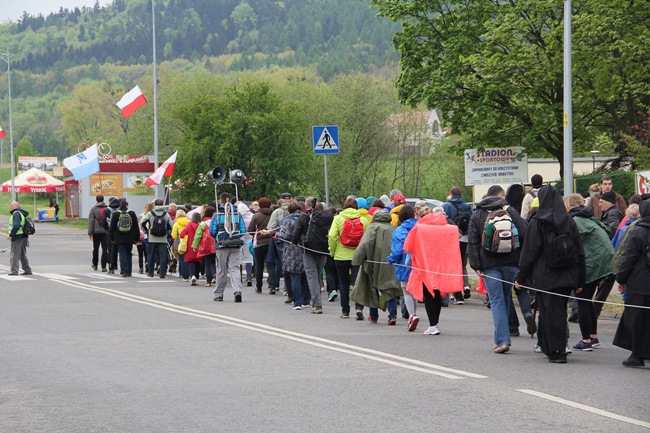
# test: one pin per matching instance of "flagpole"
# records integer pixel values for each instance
(167, 190)
(155, 94)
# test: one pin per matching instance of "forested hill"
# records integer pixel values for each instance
(337, 35)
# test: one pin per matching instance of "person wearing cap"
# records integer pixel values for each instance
(606, 186)
(610, 215)
(363, 209)
(391, 197)
(398, 201)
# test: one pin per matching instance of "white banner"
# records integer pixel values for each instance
(499, 165)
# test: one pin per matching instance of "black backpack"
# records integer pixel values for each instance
(158, 224)
(317, 230)
(28, 227)
(462, 218)
(559, 250)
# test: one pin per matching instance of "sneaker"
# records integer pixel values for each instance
(458, 301)
(249, 283)
(237, 296)
(467, 292)
(333, 296)
(405, 314)
(413, 322)
(359, 314)
(306, 306)
(297, 308)
(26, 273)
(515, 333)
(502, 349)
(373, 322)
(185, 280)
(316, 310)
(584, 346)
(94, 267)
(433, 330)
(595, 343)
(193, 281)
(537, 348)
(141, 271)
(559, 358)
(285, 293)
(531, 327)
(345, 315)
(111, 272)
(634, 361)
(218, 298)
(271, 291)
(392, 322)
(214, 281)
(104, 269)
(568, 350)
(289, 301)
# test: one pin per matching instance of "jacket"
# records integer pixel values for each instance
(452, 212)
(397, 255)
(394, 214)
(203, 242)
(318, 242)
(119, 237)
(337, 250)
(365, 214)
(634, 268)
(259, 222)
(594, 201)
(435, 256)
(528, 200)
(277, 215)
(217, 227)
(375, 246)
(190, 231)
(612, 217)
(620, 233)
(179, 224)
(17, 224)
(106, 215)
(479, 258)
(95, 220)
(147, 220)
(291, 254)
(599, 253)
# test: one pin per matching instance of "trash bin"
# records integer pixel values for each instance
(45, 215)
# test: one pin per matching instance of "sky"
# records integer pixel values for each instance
(12, 10)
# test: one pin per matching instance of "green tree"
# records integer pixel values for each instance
(25, 148)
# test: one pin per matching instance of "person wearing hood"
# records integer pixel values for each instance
(376, 286)
(633, 275)
(553, 257)
(385, 200)
(19, 240)
(452, 208)
(179, 224)
(363, 209)
(515, 196)
(113, 206)
(157, 244)
(342, 246)
(261, 241)
(498, 268)
(97, 232)
(398, 201)
(435, 272)
(599, 264)
(397, 257)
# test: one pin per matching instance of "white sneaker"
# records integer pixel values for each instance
(537, 349)
(297, 308)
(568, 350)
(194, 281)
(432, 330)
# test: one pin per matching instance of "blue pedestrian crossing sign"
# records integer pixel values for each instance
(326, 140)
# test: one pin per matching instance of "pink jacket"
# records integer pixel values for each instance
(434, 246)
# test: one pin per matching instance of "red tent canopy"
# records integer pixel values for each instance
(34, 180)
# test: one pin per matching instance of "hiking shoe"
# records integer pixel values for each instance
(193, 280)
(316, 310)
(359, 314)
(433, 330)
(237, 296)
(333, 296)
(531, 327)
(345, 315)
(537, 348)
(515, 333)
(595, 343)
(413, 322)
(634, 361)
(392, 322)
(289, 301)
(502, 349)
(297, 308)
(584, 346)
(467, 292)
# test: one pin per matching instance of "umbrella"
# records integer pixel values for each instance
(193, 211)
(34, 180)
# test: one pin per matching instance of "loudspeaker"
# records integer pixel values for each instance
(218, 174)
(237, 177)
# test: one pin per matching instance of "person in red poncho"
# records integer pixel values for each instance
(434, 250)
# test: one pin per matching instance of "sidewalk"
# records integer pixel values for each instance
(45, 228)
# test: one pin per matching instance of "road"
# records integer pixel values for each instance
(83, 351)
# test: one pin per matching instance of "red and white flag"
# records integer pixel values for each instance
(166, 169)
(2, 133)
(131, 101)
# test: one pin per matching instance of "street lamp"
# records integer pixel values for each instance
(593, 158)
(5, 57)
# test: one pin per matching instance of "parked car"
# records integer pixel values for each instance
(431, 202)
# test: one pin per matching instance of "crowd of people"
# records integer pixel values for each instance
(383, 254)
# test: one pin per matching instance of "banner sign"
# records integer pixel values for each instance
(643, 182)
(43, 163)
(499, 165)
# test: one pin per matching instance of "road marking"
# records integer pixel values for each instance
(374, 355)
(56, 276)
(586, 408)
(15, 277)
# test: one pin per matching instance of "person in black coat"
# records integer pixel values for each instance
(537, 261)
(633, 276)
(123, 241)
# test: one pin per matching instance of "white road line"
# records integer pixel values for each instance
(56, 276)
(586, 408)
(15, 277)
(106, 282)
(383, 357)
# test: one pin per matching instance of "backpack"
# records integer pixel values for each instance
(158, 225)
(317, 231)
(500, 236)
(124, 222)
(352, 232)
(28, 227)
(285, 230)
(103, 221)
(559, 250)
(462, 218)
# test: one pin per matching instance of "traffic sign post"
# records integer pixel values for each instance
(326, 142)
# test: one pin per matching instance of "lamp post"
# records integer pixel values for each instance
(5, 57)
(593, 158)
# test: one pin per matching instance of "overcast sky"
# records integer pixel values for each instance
(13, 9)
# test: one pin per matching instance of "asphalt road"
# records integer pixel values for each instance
(83, 351)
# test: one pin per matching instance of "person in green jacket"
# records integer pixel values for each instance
(343, 239)
(599, 262)
(376, 285)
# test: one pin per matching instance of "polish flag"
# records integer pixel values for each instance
(166, 169)
(2, 133)
(131, 101)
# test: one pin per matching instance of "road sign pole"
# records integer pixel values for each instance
(327, 186)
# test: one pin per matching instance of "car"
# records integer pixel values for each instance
(431, 202)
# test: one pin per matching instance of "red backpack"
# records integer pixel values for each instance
(352, 232)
